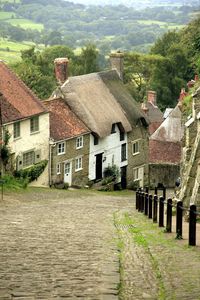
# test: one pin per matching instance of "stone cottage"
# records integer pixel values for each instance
(26, 120)
(118, 127)
(69, 145)
(165, 150)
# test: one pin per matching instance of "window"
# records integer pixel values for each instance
(16, 130)
(113, 130)
(58, 168)
(61, 148)
(122, 136)
(34, 124)
(123, 152)
(96, 140)
(28, 158)
(136, 174)
(135, 147)
(78, 164)
(79, 142)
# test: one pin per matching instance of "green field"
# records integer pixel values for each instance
(25, 24)
(11, 51)
(161, 24)
(6, 15)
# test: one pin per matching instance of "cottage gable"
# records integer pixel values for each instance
(19, 102)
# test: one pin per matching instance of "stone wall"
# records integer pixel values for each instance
(163, 173)
(79, 178)
(139, 160)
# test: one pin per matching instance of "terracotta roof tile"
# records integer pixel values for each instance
(64, 124)
(21, 101)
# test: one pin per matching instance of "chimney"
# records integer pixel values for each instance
(182, 94)
(196, 78)
(61, 69)
(117, 62)
(151, 97)
(144, 108)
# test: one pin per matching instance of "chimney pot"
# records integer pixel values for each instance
(151, 97)
(61, 69)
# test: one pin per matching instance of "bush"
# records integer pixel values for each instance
(134, 185)
(107, 180)
(33, 172)
(11, 182)
(111, 171)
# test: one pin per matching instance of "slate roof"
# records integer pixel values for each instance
(171, 129)
(18, 101)
(100, 100)
(165, 142)
(64, 124)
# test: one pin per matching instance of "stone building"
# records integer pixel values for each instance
(69, 145)
(165, 150)
(118, 127)
(190, 162)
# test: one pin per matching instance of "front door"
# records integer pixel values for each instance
(68, 173)
(123, 177)
(99, 166)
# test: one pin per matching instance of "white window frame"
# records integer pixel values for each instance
(79, 142)
(32, 160)
(61, 148)
(16, 129)
(58, 168)
(78, 163)
(135, 174)
(137, 142)
(34, 125)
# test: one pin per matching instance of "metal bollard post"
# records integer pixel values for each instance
(164, 193)
(169, 216)
(179, 220)
(150, 206)
(136, 199)
(146, 206)
(161, 212)
(155, 208)
(192, 225)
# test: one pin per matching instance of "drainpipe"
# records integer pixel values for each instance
(52, 144)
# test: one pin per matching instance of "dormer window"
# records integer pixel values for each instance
(34, 124)
(96, 140)
(113, 129)
(122, 136)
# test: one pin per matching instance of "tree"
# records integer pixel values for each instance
(88, 60)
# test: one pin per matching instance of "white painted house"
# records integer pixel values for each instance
(27, 122)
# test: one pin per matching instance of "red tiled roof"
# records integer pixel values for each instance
(164, 152)
(64, 124)
(20, 100)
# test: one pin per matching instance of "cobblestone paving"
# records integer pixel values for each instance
(59, 245)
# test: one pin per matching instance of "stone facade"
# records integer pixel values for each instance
(137, 168)
(78, 178)
(190, 163)
(163, 173)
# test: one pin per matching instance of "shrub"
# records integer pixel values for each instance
(33, 172)
(10, 182)
(107, 180)
(134, 185)
(111, 171)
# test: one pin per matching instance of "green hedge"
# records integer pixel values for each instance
(33, 172)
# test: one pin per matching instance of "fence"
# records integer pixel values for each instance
(154, 206)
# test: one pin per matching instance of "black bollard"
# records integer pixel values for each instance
(150, 207)
(164, 192)
(192, 225)
(136, 199)
(179, 220)
(146, 206)
(142, 202)
(169, 216)
(155, 208)
(161, 212)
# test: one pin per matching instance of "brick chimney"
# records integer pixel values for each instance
(182, 95)
(196, 78)
(151, 97)
(117, 62)
(61, 69)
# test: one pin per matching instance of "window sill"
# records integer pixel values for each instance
(61, 153)
(79, 147)
(34, 132)
(135, 153)
(17, 138)
(77, 170)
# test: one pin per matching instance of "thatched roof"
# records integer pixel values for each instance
(100, 100)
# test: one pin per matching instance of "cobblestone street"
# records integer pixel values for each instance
(57, 245)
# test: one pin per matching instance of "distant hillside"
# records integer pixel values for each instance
(59, 22)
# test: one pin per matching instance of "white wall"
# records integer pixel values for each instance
(110, 146)
(28, 141)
